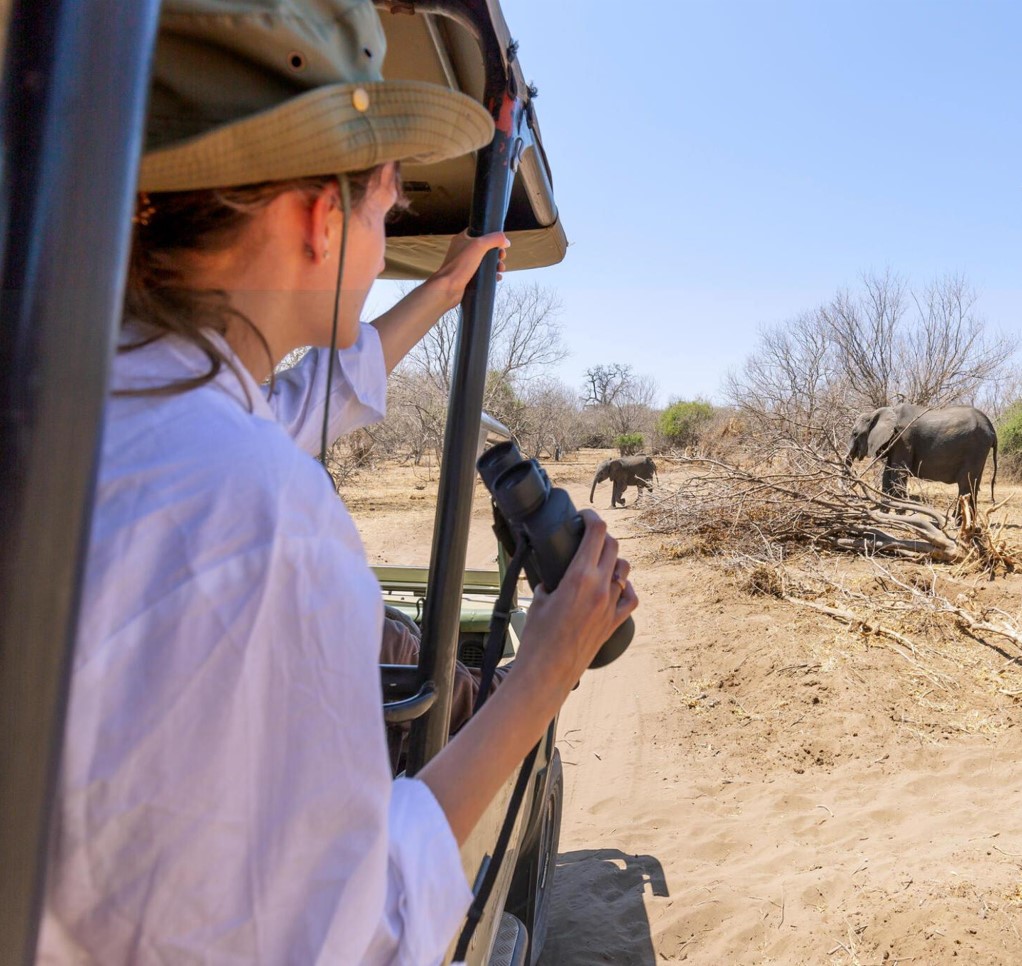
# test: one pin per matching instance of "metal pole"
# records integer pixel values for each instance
(441, 616)
(71, 120)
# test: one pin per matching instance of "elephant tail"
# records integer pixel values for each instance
(994, 477)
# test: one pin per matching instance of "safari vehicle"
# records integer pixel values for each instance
(74, 89)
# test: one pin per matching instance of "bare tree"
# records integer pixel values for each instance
(553, 423)
(416, 415)
(633, 411)
(881, 345)
(433, 357)
(1001, 393)
(605, 383)
(788, 386)
(526, 333)
(618, 402)
(947, 357)
(524, 342)
(864, 332)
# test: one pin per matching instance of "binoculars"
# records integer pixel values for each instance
(545, 517)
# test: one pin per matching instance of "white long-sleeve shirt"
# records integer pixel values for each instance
(225, 795)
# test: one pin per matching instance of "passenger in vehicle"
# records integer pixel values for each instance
(224, 793)
(402, 639)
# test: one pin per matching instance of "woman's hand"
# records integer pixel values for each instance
(403, 324)
(563, 632)
(566, 628)
(464, 255)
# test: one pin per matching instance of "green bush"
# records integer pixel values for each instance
(682, 422)
(1009, 444)
(629, 443)
(1009, 432)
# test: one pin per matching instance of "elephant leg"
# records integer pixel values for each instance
(894, 482)
(969, 489)
(900, 489)
(887, 480)
(618, 495)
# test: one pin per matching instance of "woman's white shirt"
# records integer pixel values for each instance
(225, 794)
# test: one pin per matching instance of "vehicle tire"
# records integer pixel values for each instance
(543, 861)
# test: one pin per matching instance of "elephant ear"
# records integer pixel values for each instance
(881, 432)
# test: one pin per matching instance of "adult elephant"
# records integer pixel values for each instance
(947, 445)
(623, 472)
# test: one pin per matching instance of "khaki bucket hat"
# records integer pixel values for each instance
(245, 91)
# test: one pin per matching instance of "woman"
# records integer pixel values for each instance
(225, 793)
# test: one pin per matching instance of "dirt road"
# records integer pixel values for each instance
(753, 783)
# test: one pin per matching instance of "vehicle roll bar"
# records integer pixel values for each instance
(72, 109)
(495, 172)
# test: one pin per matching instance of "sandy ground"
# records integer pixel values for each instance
(755, 783)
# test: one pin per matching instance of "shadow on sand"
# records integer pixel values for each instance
(598, 915)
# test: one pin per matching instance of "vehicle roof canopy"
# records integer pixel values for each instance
(444, 50)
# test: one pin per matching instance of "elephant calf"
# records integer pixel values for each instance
(625, 471)
(948, 445)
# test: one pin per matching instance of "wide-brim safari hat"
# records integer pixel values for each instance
(246, 91)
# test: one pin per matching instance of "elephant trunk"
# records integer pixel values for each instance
(856, 451)
(592, 491)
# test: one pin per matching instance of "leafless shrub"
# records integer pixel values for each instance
(340, 465)
(416, 416)
(552, 423)
(1009, 467)
(726, 437)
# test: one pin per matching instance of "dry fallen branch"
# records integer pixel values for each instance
(989, 622)
(964, 657)
(943, 681)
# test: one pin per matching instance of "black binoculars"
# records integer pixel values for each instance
(547, 519)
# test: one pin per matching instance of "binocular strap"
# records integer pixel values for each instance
(499, 620)
(491, 656)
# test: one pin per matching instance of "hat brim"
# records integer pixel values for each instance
(324, 132)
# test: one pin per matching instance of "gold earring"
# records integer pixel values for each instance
(144, 209)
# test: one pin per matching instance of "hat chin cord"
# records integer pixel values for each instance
(345, 189)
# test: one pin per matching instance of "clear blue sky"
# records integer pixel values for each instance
(720, 165)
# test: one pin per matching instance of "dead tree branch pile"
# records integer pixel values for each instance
(802, 498)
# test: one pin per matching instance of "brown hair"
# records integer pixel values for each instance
(170, 225)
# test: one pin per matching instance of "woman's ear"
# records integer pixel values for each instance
(320, 226)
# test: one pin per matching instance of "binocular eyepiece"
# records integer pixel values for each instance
(545, 516)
